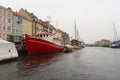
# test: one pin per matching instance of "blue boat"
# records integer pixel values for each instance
(115, 44)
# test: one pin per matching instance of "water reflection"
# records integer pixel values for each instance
(34, 61)
(84, 64)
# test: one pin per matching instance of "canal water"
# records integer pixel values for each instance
(90, 63)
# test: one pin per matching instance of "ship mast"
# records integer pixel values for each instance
(75, 30)
(115, 33)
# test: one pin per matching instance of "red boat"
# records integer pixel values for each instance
(42, 43)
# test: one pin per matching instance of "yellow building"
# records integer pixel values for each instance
(32, 20)
(27, 26)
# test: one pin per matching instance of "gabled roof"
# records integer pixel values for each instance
(7, 9)
(31, 15)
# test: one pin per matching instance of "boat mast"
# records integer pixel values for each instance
(77, 34)
(75, 30)
(115, 33)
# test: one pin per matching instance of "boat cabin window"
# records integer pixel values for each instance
(36, 35)
(40, 35)
(44, 35)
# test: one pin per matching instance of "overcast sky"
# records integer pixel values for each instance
(94, 18)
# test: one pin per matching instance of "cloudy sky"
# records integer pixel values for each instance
(94, 18)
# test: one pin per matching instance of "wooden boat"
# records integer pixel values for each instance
(68, 48)
(42, 42)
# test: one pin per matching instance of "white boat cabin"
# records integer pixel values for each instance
(45, 35)
(49, 37)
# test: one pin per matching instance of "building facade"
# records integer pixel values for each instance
(27, 26)
(17, 33)
(103, 43)
(21, 26)
(5, 23)
(36, 22)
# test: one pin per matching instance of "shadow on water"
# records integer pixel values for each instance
(8, 61)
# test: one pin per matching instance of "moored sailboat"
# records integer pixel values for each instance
(116, 42)
(75, 42)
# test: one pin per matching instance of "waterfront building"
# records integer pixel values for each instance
(66, 38)
(36, 22)
(23, 22)
(103, 43)
(63, 36)
(39, 27)
(5, 23)
(47, 27)
(17, 33)
(58, 34)
(44, 26)
(27, 26)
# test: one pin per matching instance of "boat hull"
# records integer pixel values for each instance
(8, 51)
(38, 46)
(115, 46)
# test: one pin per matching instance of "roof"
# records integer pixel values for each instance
(7, 9)
(20, 15)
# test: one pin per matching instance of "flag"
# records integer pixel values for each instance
(19, 21)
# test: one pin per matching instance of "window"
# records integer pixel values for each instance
(4, 19)
(9, 20)
(4, 13)
(3, 35)
(0, 10)
(0, 18)
(9, 28)
(0, 35)
(16, 31)
(9, 14)
(3, 27)
(8, 36)
(13, 30)
(40, 35)
(0, 26)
